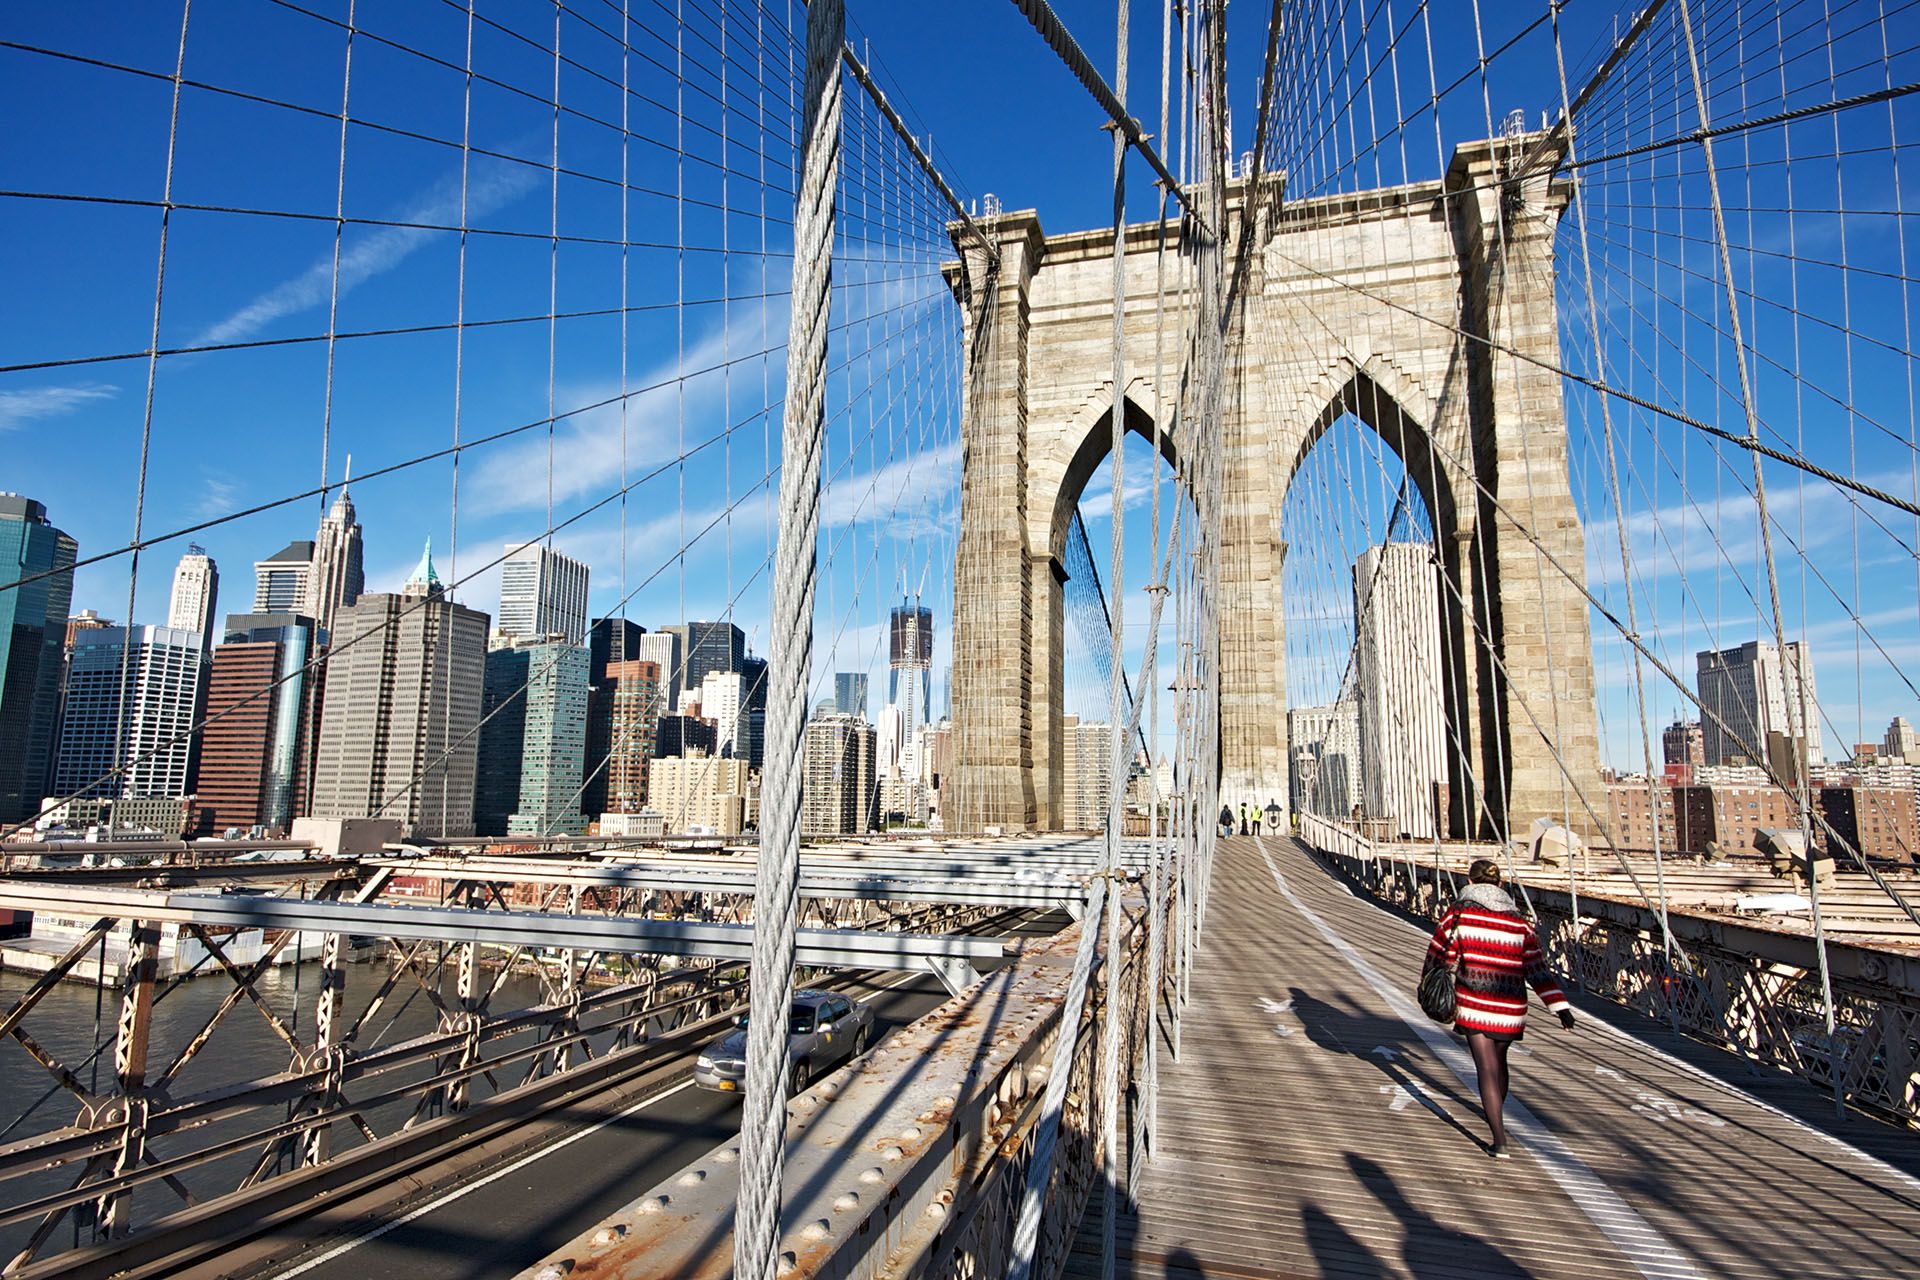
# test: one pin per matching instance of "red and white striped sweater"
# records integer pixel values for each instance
(1498, 955)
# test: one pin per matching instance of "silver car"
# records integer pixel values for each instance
(824, 1029)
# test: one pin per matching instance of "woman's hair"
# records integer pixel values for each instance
(1484, 871)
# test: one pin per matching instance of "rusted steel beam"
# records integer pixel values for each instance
(244, 983)
(51, 978)
(824, 948)
(240, 989)
(65, 1078)
(130, 1063)
(326, 1054)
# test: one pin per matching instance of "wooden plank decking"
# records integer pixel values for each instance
(1311, 1129)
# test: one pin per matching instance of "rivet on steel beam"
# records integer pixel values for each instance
(653, 1204)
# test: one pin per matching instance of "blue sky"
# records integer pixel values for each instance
(699, 370)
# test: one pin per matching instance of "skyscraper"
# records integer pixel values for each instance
(678, 735)
(1325, 769)
(1403, 728)
(722, 694)
(633, 695)
(910, 665)
(532, 740)
(1683, 742)
(262, 710)
(839, 795)
(610, 641)
(401, 708)
(702, 791)
(336, 578)
(666, 649)
(1757, 695)
(750, 739)
(33, 628)
(850, 693)
(1901, 742)
(542, 593)
(280, 581)
(711, 647)
(149, 734)
(196, 594)
(1086, 783)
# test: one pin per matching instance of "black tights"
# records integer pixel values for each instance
(1490, 1065)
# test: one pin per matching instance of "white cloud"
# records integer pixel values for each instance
(905, 493)
(382, 250)
(20, 407)
(684, 404)
(1097, 504)
(217, 493)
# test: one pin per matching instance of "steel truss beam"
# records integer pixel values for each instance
(952, 958)
(1056, 891)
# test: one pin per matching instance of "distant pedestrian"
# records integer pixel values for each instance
(1226, 819)
(1496, 955)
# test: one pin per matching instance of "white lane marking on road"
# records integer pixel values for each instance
(1401, 1098)
(1596, 1019)
(440, 1202)
(1650, 1252)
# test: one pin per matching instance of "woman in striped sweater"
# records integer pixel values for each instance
(1496, 954)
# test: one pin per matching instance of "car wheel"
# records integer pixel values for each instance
(859, 1042)
(797, 1079)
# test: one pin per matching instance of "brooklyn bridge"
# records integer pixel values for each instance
(1365, 446)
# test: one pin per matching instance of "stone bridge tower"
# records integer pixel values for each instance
(1426, 311)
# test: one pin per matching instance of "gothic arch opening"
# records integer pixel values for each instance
(1079, 725)
(1379, 710)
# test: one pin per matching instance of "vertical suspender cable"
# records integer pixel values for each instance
(790, 654)
(1797, 699)
(1156, 894)
(1116, 690)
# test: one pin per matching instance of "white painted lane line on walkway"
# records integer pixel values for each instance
(1650, 1252)
(1596, 1017)
(441, 1202)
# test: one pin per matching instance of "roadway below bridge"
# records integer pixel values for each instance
(493, 1211)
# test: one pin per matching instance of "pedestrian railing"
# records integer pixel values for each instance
(1746, 988)
(913, 1160)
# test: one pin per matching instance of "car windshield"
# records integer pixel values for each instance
(799, 1020)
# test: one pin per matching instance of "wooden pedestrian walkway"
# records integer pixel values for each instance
(1318, 1125)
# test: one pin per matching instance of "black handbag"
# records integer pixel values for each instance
(1436, 994)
